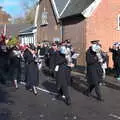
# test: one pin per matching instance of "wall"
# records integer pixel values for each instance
(102, 25)
(3, 17)
(50, 31)
(74, 30)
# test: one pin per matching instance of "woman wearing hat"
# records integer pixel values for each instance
(32, 72)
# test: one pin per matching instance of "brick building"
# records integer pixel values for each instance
(4, 17)
(80, 21)
(104, 24)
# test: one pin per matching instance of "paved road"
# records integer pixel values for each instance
(23, 105)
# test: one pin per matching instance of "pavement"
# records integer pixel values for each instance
(21, 104)
(110, 81)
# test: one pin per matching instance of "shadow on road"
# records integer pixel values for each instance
(50, 86)
(4, 96)
(79, 85)
(46, 71)
(5, 114)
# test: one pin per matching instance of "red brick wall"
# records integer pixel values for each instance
(50, 31)
(3, 18)
(102, 25)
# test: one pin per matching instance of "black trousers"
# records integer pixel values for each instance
(3, 76)
(117, 70)
(64, 91)
(16, 73)
(97, 90)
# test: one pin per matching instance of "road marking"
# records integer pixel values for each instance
(114, 116)
(41, 89)
(44, 90)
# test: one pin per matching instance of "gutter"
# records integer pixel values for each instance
(61, 30)
(28, 33)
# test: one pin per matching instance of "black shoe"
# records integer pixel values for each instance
(68, 101)
(35, 93)
(87, 93)
(28, 88)
(58, 96)
(100, 99)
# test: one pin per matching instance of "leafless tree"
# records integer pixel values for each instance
(29, 9)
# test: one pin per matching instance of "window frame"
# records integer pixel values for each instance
(43, 15)
(118, 22)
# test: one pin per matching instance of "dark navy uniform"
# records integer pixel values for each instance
(62, 77)
(32, 72)
(94, 73)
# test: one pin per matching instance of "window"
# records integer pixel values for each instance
(44, 18)
(118, 22)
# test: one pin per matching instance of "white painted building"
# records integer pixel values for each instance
(28, 36)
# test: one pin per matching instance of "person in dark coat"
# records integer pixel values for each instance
(52, 58)
(94, 72)
(62, 78)
(116, 58)
(46, 54)
(41, 49)
(32, 72)
(118, 64)
(15, 55)
(3, 63)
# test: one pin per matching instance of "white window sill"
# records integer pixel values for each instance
(118, 29)
(43, 24)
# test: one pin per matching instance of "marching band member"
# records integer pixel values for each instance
(32, 72)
